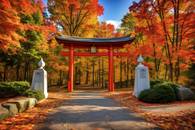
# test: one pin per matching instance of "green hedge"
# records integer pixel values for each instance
(155, 82)
(34, 94)
(12, 89)
(160, 92)
(174, 87)
(18, 88)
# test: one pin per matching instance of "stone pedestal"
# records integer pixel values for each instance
(39, 81)
(141, 78)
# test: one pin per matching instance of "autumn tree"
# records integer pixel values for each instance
(57, 65)
(105, 30)
(166, 29)
(23, 36)
(10, 22)
(74, 16)
(128, 24)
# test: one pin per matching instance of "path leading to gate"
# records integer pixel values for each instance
(91, 111)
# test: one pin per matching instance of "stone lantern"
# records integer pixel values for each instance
(39, 81)
(141, 77)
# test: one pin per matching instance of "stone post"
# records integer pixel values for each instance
(141, 77)
(39, 81)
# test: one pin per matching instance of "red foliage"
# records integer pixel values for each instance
(8, 25)
(105, 30)
(10, 21)
(168, 32)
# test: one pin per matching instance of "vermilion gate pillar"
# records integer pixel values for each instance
(71, 69)
(111, 74)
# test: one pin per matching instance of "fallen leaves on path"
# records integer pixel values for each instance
(27, 119)
(179, 120)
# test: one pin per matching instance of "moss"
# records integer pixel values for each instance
(34, 94)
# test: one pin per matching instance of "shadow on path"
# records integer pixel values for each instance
(91, 111)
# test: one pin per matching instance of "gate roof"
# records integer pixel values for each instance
(98, 42)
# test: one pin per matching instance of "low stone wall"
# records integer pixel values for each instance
(16, 105)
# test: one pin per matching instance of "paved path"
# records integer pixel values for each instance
(171, 108)
(91, 111)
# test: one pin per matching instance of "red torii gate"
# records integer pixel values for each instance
(93, 43)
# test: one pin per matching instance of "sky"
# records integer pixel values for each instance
(114, 10)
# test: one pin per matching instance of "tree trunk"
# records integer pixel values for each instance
(132, 75)
(17, 72)
(87, 74)
(26, 71)
(177, 70)
(167, 40)
(114, 73)
(102, 72)
(60, 78)
(99, 71)
(127, 73)
(5, 73)
(121, 72)
(29, 72)
(166, 71)
(170, 71)
(80, 75)
(93, 73)
(177, 66)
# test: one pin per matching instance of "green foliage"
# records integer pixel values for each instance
(34, 94)
(173, 86)
(191, 75)
(38, 18)
(11, 89)
(18, 88)
(155, 82)
(160, 93)
(27, 19)
(128, 23)
(8, 59)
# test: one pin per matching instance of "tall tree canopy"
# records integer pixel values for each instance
(17, 16)
(165, 34)
(23, 35)
(75, 16)
(105, 30)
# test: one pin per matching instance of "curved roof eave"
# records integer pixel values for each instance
(94, 40)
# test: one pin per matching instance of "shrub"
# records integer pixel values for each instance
(24, 84)
(34, 94)
(174, 87)
(155, 82)
(7, 91)
(161, 93)
(11, 89)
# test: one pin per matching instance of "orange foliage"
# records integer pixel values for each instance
(10, 21)
(167, 29)
(105, 30)
(75, 16)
